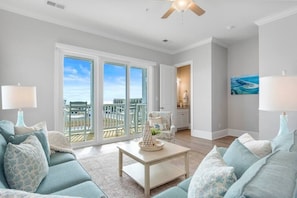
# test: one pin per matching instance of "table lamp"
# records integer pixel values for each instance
(279, 93)
(18, 97)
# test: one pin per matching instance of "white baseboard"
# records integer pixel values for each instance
(222, 133)
(237, 133)
(209, 135)
(201, 134)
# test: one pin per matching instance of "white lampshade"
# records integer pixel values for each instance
(278, 93)
(18, 97)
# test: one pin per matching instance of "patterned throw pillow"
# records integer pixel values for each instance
(212, 178)
(25, 165)
(156, 123)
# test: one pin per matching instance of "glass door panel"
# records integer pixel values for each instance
(114, 100)
(78, 102)
(138, 99)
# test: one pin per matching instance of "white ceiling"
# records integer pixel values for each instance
(139, 21)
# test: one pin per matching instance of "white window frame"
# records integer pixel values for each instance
(99, 58)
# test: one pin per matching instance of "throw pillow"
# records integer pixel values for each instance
(157, 123)
(17, 139)
(239, 157)
(6, 129)
(287, 142)
(25, 165)
(261, 148)
(212, 178)
(273, 176)
(31, 129)
(35, 127)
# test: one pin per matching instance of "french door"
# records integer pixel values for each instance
(124, 100)
(78, 98)
(100, 97)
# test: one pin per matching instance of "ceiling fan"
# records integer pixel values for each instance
(183, 5)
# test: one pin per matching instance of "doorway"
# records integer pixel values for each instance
(183, 96)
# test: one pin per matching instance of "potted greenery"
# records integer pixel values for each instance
(155, 131)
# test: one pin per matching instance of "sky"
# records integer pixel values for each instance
(77, 81)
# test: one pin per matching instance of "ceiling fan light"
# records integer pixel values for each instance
(181, 5)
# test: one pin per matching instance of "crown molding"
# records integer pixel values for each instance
(82, 29)
(276, 17)
(52, 20)
(201, 43)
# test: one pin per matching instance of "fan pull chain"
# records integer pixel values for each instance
(182, 18)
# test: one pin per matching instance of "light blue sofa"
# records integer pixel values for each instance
(66, 177)
(273, 176)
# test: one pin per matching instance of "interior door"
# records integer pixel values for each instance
(168, 89)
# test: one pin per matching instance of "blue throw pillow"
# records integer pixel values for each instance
(239, 157)
(17, 139)
(6, 129)
(273, 176)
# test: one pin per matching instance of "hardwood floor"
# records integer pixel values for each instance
(183, 138)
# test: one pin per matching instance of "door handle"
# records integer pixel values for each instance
(161, 107)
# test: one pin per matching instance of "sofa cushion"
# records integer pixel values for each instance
(85, 189)
(273, 176)
(63, 176)
(40, 134)
(261, 148)
(25, 164)
(287, 142)
(60, 157)
(6, 129)
(239, 157)
(212, 178)
(12, 193)
(173, 192)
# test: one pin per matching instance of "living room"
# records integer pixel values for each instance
(28, 47)
(27, 56)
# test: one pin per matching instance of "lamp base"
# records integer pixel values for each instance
(20, 121)
(283, 127)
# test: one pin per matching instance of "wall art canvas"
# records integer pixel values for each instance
(245, 85)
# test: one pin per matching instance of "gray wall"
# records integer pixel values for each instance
(219, 88)
(277, 49)
(27, 49)
(243, 114)
(209, 74)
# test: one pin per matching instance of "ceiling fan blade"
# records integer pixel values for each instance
(169, 12)
(196, 9)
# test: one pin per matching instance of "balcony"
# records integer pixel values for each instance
(78, 123)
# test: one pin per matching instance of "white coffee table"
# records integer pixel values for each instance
(152, 169)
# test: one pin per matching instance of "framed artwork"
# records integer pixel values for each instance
(245, 85)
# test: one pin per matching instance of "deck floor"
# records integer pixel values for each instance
(108, 133)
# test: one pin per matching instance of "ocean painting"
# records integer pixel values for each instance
(245, 85)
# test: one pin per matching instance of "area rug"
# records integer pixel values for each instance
(103, 169)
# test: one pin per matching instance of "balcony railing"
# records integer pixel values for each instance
(78, 127)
